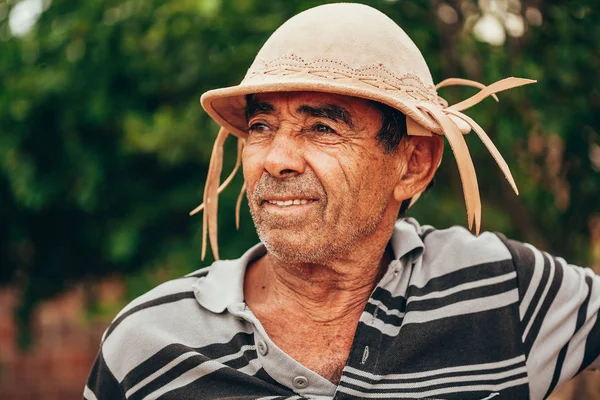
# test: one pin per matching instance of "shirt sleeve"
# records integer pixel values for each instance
(102, 384)
(559, 306)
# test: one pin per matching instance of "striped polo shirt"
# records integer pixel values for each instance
(454, 317)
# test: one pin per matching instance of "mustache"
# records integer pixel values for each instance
(305, 185)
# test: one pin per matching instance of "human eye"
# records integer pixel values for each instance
(322, 128)
(258, 127)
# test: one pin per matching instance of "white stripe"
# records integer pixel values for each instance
(432, 382)
(174, 286)
(197, 372)
(161, 371)
(460, 308)
(455, 389)
(384, 308)
(558, 329)
(88, 394)
(447, 370)
(541, 299)
(387, 329)
(252, 367)
(538, 270)
(463, 307)
(465, 286)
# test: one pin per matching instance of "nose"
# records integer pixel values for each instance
(284, 158)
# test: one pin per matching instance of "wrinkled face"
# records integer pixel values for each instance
(318, 181)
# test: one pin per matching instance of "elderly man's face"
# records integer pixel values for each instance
(318, 181)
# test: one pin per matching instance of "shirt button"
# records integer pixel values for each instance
(300, 382)
(262, 348)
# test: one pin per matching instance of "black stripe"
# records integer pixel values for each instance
(469, 374)
(391, 302)
(459, 389)
(243, 360)
(228, 384)
(477, 338)
(592, 343)
(152, 303)
(469, 274)
(186, 365)
(524, 258)
(563, 352)
(102, 381)
(172, 351)
(426, 232)
(468, 294)
(166, 378)
(557, 369)
(537, 297)
(550, 296)
(381, 315)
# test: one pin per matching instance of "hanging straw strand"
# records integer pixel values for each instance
(211, 195)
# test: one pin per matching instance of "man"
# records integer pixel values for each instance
(339, 129)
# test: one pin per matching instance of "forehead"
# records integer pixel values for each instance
(280, 99)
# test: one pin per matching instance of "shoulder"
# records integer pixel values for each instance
(152, 309)
(459, 247)
(163, 324)
(458, 255)
(150, 302)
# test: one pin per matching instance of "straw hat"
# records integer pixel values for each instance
(353, 50)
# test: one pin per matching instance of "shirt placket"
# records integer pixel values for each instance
(367, 345)
(279, 365)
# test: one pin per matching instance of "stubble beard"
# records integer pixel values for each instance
(312, 242)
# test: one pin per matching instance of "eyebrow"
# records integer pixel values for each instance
(254, 107)
(329, 111)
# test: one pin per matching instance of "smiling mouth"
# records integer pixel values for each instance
(287, 203)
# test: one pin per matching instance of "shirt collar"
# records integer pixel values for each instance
(224, 283)
(406, 238)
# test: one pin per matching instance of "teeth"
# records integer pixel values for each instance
(286, 203)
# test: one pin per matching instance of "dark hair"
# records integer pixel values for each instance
(393, 127)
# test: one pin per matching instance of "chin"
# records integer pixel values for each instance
(291, 248)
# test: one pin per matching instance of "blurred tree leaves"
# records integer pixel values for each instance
(104, 146)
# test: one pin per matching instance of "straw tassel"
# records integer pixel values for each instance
(490, 146)
(464, 163)
(212, 190)
(211, 195)
(226, 182)
(462, 82)
(238, 205)
(459, 146)
(501, 85)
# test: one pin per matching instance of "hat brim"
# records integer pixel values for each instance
(227, 105)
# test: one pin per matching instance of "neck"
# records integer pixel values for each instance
(319, 292)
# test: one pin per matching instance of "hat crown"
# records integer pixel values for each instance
(353, 37)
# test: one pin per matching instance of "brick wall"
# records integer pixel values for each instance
(65, 345)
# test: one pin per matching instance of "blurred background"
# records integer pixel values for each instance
(104, 149)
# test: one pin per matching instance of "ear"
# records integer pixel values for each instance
(418, 163)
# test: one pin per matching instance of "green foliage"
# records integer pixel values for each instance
(104, 146)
